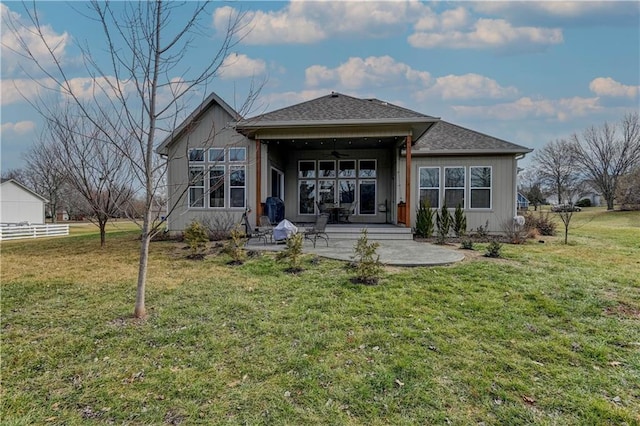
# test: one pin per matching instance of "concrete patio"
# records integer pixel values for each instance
(392, 252)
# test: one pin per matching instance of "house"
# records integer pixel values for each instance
(19, 204)
(336, 149)
(523, 202)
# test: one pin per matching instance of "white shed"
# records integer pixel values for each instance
(20, 204)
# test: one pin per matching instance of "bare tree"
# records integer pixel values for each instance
(146, 85)
(94, 168)
(530, 184)
(628, 191)
(606, 153)
(556, 168)
(46, 174)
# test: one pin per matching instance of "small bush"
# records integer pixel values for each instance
(195, 235)
(585, 202)
(467, 244)
(235, 245)
(459, 222)
(367, 262)
(543, 222)
(517, 234)
(443, 223)
(424, 220)
(494, 249)
(219, 225)
(292, 253)
(482, 231)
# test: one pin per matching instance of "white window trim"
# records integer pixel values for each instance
(355, 170)
(315, 170)
(236, 165)
(203, 186)
(463, 187)
(228, 155)
(204, 155)
(490, 188)
(226, 185)
(439, 187)
(335, 171)
(315, 183)
(375, 176)
(281, 183)
(224, 155)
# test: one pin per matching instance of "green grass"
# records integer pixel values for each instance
(550, 334)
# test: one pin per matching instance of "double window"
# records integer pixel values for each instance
(217, 177)
(449, 185)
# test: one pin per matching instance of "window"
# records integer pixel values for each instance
(367, 169)
(237, 154)
(236, 186)
(196, 186)
(196, 155)
(430, 186)
(480, 187)
(326, 169)
(326, 191)
(306, 196)
(367, 197)
(346, 191)
(454, 186)
(347, 169)
(306, 169)
(216, 155)
(216, 186)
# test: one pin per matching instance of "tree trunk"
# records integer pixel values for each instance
(103, 232)
(610, 203)
(140, 309)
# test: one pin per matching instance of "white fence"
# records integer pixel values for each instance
(15, 232)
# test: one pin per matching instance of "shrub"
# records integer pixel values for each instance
(585, 202)
(292, 253)
(443, 222)
(482, 231)
(494, 249)
(459, 222)
(235, 245)
(195, 235)
(543, 222)
(367, 261)
(515, 232)
(467, 244)
(424, 220)
(219, 225)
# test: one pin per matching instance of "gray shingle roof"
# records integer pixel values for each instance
(338, 107)
(444, 137)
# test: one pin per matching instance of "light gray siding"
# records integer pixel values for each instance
(211, 130)
(503, 190)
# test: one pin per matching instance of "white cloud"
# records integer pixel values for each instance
(19, 35)
(488, 33)
(374, 71)
(312, 21)
(606, 86)
(19, 128)
(15, 91)
(559, 109)
(241, 66)
(467, 86)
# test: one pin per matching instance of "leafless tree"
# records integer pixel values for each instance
(18, 175)
(628, 191)
(146, 85)
(94, 168)
(46, 175)
(556, 168)
(608, 152)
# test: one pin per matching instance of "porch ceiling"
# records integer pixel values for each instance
(337, 143)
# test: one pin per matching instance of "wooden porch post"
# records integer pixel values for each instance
(258, 181)
(407, 195)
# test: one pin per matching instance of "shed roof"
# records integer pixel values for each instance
(25, 188)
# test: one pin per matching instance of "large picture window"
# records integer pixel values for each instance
(454, 187)
(217, 178)
(480, 187)
(306, 197)
(430, 186)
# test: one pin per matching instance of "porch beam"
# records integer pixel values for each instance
(407, 189)
(258, 181)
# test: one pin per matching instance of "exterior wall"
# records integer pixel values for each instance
(503, 189)
(384, 185)
(211, 131)
(18, 205)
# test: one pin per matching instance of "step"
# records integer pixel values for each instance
(373, 233)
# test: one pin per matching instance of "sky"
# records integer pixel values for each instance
(526, 72)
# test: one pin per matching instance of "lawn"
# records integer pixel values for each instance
(549, 334)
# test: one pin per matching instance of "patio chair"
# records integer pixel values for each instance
(266, 227)
(250, 232)
(346, 210)
(318, 230)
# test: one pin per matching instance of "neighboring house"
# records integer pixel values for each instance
(20, 204)
(523, 202)
(336, 149)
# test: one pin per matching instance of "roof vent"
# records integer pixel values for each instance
(334, 95)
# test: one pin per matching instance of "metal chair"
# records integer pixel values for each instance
(318, 230)
(266, 227)
(250, 232)
(346, 210)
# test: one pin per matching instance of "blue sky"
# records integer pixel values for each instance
(527, 72)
